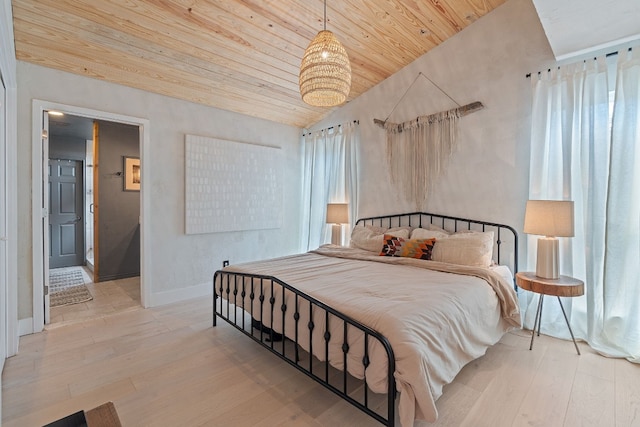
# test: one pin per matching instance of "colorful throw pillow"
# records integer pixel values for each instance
(411, 248)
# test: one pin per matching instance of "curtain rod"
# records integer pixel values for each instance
(329, 128)
(606, 56)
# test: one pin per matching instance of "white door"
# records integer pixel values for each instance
(45, 213)
(4, 291)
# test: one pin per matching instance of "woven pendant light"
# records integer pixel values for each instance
(325, 71)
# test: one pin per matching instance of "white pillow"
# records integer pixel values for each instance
(423, 233)
(465, 248)
(433, 227)
(370, 238)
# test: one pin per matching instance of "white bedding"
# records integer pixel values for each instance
(436, 321)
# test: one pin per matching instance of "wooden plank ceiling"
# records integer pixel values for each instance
(237, 55)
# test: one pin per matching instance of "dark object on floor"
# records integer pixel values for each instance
(273, 336)
(73, 420)
(102, 416)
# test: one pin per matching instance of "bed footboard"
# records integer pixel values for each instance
(304, 332)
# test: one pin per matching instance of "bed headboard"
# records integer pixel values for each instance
(505, 250)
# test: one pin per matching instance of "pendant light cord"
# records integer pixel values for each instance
(325, 15)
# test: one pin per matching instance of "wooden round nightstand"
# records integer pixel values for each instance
(563, 286)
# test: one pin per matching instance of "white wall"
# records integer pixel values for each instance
(181, 265)
(8, 194)
(487, 177)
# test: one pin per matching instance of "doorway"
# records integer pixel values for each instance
(41, 197)
(79, 273)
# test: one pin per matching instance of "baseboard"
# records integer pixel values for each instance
(182, 294)
(118, 276)
(25, 326)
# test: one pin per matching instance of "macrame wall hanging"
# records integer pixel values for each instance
(419, 150)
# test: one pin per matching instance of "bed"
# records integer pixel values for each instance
(365, 325)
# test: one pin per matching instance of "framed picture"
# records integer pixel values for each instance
(131, 174)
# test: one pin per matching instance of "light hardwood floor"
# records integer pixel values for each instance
(108, 298)
(168, 367)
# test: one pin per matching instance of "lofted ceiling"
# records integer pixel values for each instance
(237, 55)
(576, 27)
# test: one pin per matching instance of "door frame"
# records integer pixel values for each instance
(4, 239)
(40, 194)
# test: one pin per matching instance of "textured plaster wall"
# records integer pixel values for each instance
(487, 177)
(178, 261)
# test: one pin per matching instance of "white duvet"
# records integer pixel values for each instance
(437, 317)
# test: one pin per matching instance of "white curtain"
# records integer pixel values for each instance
(329, 176)
(621, 293)
(577, 154)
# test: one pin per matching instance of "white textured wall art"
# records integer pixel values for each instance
(231, 186)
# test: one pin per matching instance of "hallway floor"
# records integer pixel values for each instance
(108, 298)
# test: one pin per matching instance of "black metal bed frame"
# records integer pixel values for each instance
(234, 288)
(452, 223)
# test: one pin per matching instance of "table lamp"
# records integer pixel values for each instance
(337, 214)
(552, 219)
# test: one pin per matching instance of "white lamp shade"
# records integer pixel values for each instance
(337, 213)
(553, 218)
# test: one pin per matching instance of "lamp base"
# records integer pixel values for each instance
(547, 264)
(336, 234)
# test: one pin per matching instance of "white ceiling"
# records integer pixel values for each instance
(70, 126)
(576, 27)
